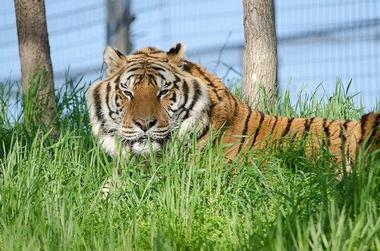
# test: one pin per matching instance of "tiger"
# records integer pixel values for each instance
(150, 93)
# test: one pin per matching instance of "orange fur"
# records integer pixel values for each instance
(342, 138)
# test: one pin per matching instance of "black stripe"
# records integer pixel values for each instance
(342, 139)
(98, 105)
(274, 125)
(305, 121)
(110, 112)
(197, 94)
(157, 68)
(208, 81)
(287, 128)
(187, 112)
(140, 53)
(187, 66)
(160, 75)
(111, 131)
(229, 97)
(184, 114)
(152, 80)
(345, 125)
(135, 68)
(173, 110)
(363, 122)
(117, 98)
(344, 133)
(203, 74)
(162, 65)
(245, 129)
(195, 98)
(258, 128)
(117, 79)
(309, 122)
(246, 121)
(174, 97)
(185, 87)
(176, 81)
(137, 79)
(236, 108)
(204, 132)
(217, 95)
(154, 50)
(326, 129)
(210, 111)
(128, 78)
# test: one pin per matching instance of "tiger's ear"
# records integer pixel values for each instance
(113, 59)
(176, 53)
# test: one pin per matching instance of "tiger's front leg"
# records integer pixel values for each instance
(113, 181)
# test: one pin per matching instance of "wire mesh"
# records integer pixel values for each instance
(318, 41)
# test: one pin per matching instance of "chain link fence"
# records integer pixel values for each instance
(318, 41)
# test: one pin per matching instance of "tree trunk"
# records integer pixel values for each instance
(119, 18)
(36, 66)
(260, 53)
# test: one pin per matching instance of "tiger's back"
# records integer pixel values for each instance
(245, 128)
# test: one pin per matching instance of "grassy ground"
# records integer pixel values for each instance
(49, 192)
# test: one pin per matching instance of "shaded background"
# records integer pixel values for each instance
(318, 41)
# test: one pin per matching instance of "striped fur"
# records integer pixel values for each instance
(150, 92)
(144, 97)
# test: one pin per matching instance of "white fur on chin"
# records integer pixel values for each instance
(145, 147)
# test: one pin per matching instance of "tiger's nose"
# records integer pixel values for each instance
(145, 124)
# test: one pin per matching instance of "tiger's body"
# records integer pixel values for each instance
(148, 94)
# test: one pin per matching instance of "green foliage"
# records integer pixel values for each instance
(183, 199)
(39, 108)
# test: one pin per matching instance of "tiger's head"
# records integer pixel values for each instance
(143, 98)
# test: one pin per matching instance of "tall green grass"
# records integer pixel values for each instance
(184, 199)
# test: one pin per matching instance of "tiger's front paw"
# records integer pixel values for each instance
(105, 190)
(109, 186)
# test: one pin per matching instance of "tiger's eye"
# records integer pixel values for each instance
(163, 93)
(128, 94)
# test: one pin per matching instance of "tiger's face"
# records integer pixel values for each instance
(148, 108)
(146, 96)
(145, 124)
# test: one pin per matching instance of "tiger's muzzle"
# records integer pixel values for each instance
(145, 124)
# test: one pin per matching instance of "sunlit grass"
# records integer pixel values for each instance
(185, 199)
